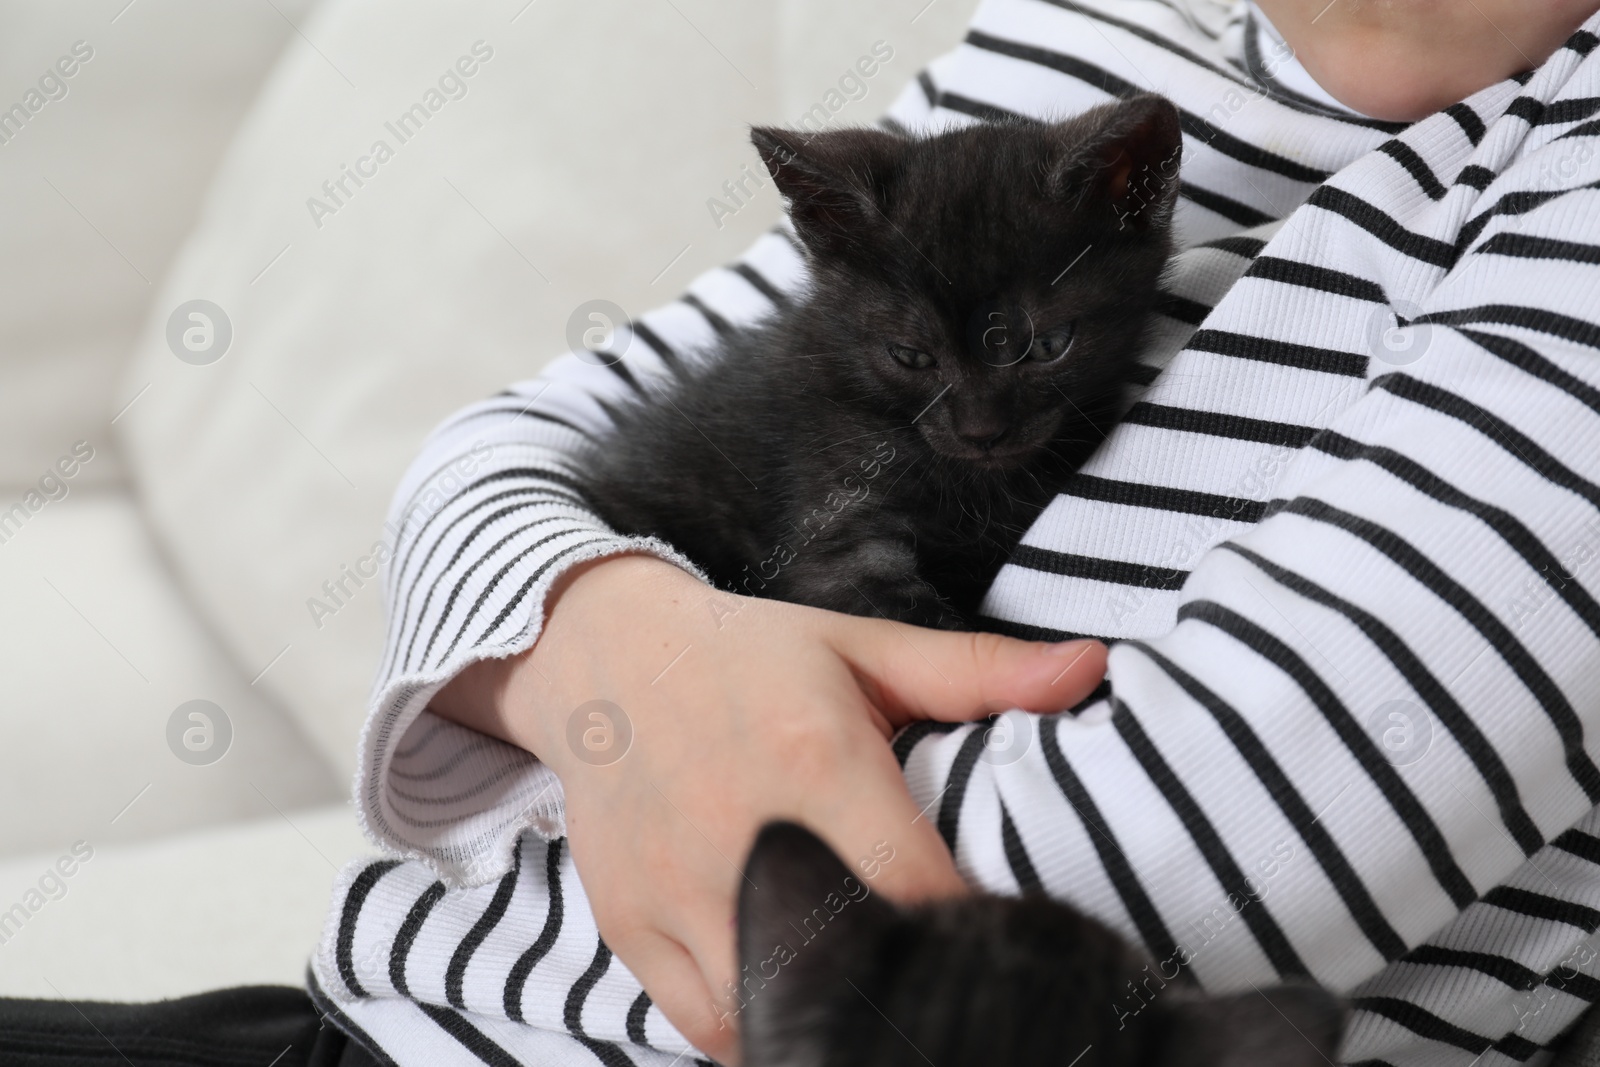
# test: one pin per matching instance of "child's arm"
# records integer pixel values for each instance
(740, 711)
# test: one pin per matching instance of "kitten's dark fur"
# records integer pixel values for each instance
(809, 462)
(834, 976)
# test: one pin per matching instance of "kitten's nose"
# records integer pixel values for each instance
(983, 435)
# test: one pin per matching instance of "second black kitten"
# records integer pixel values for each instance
(976, 300)
(832, 975)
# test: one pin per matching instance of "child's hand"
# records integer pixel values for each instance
(741, 711)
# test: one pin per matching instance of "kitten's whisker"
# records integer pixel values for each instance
(890, 491)
(845, 441)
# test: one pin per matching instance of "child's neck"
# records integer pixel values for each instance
(1405, 60)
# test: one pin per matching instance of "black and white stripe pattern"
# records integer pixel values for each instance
(1303, 528)
(403, 947)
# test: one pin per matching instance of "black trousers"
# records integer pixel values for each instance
(277, 1026)
(251, 1026)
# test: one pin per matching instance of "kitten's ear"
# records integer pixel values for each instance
(806, 924)
(1130, 157)
(1281, 1026)
(835, 181)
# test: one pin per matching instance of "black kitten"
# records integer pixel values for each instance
(834, 976)
(976, 301)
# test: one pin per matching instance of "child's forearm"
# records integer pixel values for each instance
(716, 714)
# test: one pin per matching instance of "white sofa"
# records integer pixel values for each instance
(214, 503)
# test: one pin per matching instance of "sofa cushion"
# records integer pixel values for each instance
(204, 910)
(99, 651)
(406, 223)
(110, 128)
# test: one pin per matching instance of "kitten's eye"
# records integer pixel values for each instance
(911, 357)
(1050, 346)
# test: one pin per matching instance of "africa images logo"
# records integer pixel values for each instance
(338, 191)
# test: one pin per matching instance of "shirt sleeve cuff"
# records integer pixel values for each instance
(449, 796)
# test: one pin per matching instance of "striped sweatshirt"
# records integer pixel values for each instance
(1345, 544)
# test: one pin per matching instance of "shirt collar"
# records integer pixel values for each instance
(1273, 63)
